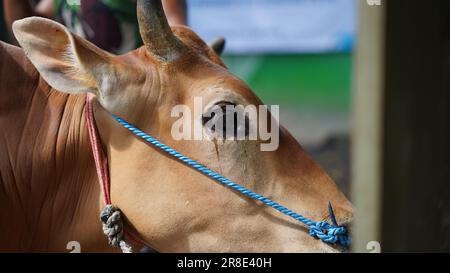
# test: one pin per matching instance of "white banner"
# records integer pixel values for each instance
(276, 26)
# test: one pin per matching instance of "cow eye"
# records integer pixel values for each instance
(226, 120)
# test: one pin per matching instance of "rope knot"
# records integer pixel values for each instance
(113, 228)
(330, 233)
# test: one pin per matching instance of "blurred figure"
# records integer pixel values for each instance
(109, 24)
(3, 33)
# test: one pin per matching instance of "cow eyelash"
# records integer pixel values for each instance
(224, 133)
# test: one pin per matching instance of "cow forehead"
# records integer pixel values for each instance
(203, 72)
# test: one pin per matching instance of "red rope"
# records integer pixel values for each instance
(101, 161)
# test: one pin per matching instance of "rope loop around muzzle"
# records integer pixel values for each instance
(330, 233)
(113, 228)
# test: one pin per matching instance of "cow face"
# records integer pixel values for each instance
(168, 205)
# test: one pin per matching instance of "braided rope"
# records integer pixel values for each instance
(331, 234)
(113, 228)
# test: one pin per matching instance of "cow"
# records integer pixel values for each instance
(49, 194)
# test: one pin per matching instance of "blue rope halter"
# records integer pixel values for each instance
(328, 233)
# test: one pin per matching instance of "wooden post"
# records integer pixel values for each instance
(401, 151)
(367, 132)
(416, 153)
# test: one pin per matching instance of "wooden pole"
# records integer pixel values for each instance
(367, 127)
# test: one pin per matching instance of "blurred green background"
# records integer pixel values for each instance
(320, 80)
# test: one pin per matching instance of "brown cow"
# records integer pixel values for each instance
(49, 193)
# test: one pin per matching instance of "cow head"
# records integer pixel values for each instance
(168, 205)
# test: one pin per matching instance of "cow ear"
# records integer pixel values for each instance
(67, 62)
(218, 45)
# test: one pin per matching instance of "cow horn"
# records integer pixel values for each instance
(156, 32)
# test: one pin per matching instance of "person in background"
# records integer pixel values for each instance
(109, 24)
(3, 33)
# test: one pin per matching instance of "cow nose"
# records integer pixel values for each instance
(339, 216)
(344, 226)
(345, 221)
(330, 231)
